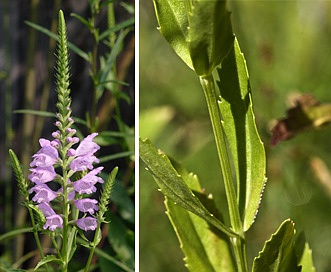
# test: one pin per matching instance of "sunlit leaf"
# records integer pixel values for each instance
(173, 186)
(246, 147)
(201, 48)
(278, 254)
(205, 247)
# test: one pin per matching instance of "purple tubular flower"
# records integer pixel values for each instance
(42, 174)
(46, 156)
(87, 146)
(86, 205)
(86, 184)
(87, 223)
(43, 193)
(53, 220)
(83, 163)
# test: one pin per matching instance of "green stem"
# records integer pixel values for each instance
(94, 243)
(36, 237)
(65, 254)
(208, 85)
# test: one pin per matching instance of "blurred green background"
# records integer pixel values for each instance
(287, 46)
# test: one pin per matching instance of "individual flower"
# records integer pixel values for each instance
(43, 193)
(86, 184)
(87, 223)
(84, 157)
(53, 220)
(83, 163)
(42, 174)
(87, 146)
(86, 205)
(46, 156)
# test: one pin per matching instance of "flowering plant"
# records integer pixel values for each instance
(63, 179)
(211, 227)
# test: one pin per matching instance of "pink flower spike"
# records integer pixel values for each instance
(42, 174)
(43, 193)
(87, 223)
(86, 205)
(87, 146)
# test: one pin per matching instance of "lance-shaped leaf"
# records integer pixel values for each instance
(173, 186)
(278, 254)
(239, 124)
(205, 247)
(201, 48)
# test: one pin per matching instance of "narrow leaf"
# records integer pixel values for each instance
(54, 36)
(205, 247)
(172, 185)
(278, 254)
(47, 259)
(125, 24)
(13, 233)
(246, 147)
(35, 112)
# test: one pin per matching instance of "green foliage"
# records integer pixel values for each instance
(278, 253)
(201, 243)
(47, 259)
(247, 150)
(174, 187)
(239, 147)
(202, 49)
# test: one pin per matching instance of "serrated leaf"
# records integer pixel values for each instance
(304, 254)
(278, 253)
(172, 185)
(201, 48)
(306, 260)
(47, 259)
(205, 248)
(246, 147)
